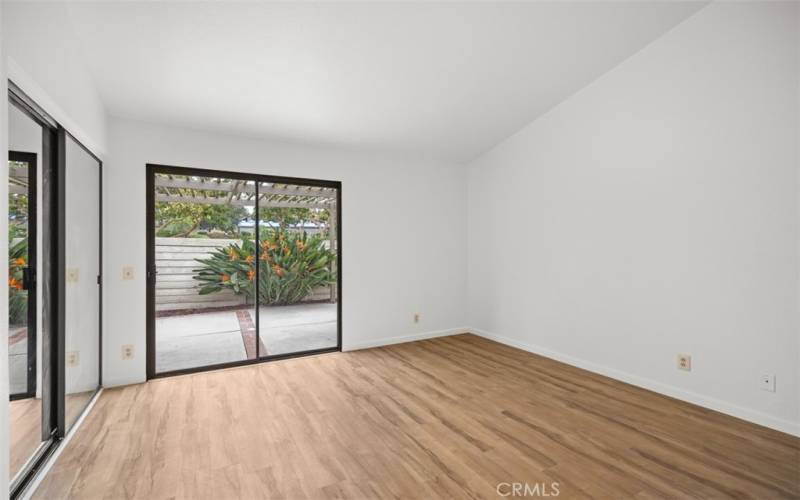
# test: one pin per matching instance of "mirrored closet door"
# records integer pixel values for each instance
(54, 284)
(29, 427)
(82, 284)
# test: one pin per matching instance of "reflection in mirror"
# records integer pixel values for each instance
(82, 270)
(24, 320)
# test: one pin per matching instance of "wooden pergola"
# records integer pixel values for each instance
(209, 190)
(242, 193)
(17, 178)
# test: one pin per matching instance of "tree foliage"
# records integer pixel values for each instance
(286, 217)
(181, 219)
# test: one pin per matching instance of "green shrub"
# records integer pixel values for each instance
(292, 265)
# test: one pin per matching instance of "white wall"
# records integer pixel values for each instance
(655, 213)
(403, 224)
(44, 60)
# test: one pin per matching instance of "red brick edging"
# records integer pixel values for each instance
(248, 330)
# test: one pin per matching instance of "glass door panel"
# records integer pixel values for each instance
(298, 279)
(204, 268)
(82, 279)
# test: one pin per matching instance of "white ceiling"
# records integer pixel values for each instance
(444, 80)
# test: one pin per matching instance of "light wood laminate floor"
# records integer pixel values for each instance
(442, 418)
(25, 431)
(25, 426)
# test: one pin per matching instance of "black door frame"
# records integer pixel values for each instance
(151, 170)
(29, 280)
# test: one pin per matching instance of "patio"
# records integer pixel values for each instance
(18, 360)
(209, 338)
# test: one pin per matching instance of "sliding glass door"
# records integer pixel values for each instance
(241, 268)
(297, 301)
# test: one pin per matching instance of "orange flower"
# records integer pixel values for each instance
(19, 261)
(278, 270)
(233, 254)
(251, 275)
(265, 256)
(286, 250)
(15, 283)
(249, 259)
(225, 278)
(300, 245)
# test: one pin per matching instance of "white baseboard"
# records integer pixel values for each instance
(748, 414)
(121, 382)
(354, 346)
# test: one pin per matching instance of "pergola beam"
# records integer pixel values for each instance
(17, 189)
(240, 203)
(19, 172)
(235, 187)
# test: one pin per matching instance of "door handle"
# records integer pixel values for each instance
(28, 277)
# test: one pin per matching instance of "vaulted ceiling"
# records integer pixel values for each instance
(443, 80)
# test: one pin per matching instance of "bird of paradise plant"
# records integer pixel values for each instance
(292, 266)
(17, 295)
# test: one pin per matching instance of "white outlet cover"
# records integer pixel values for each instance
(72, 275)
(73, 358)
(768, 382)
(127, 352)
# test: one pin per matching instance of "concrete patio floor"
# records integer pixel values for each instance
(202, 339)
(18, 360)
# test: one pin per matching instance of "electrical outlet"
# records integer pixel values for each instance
(73, 358)
(72, 275)
(127, 351)
(684, 362)
(127, 273)
(416, 318)
(768, 382)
